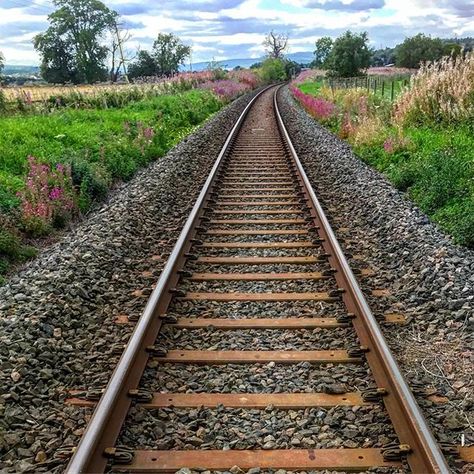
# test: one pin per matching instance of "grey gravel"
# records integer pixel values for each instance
(57, 329)
(430, 278)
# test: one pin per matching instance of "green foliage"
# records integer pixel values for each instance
(420, 48)
(322, 52)
(167, 55)
(100, 145)
(433, 164)
(71, 47)
(143, 66)
(12, 250)
(273, 70)
(349, 55)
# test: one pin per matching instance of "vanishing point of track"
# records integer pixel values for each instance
(257, 209)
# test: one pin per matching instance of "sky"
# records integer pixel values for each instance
(234, 29)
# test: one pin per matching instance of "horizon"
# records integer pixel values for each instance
(234, 29)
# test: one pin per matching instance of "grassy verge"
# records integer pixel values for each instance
(424, 146)
(78, 154)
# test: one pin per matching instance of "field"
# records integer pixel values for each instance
(424, 147)
(62, 151)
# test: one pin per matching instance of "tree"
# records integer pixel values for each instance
(275, 44)
(350, 55)
(417, 49)
(71, 48)
(273, 70)
(383, 57)
(170, 53)
(57, 64)
(143, 66)
(2, 61)
(292, 68)
(322, 51)
(167, 55)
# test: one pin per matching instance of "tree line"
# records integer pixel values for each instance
(349, 54)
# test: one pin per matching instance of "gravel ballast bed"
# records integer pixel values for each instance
(430, 278)
(57, 314)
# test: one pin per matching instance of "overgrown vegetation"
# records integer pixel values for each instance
(423, 141)
(54, 166)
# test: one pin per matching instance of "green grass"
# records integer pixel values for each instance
(311, 88)
(435, 169)
(102, 146)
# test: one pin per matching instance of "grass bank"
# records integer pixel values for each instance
(423, 141)
(54, 165)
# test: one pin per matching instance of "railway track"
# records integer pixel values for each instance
(257, 278)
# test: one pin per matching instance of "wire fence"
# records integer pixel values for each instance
(385, 87)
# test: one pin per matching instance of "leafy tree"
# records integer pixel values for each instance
(350, 54)
(273, 70)
(256, 65)
(417, 49)
(2, 61)
(167, 55)
(322, 51)
(71, 47)
(275, 44)
(292, 68)
(170, 53)
(143, 66)
(382, 57)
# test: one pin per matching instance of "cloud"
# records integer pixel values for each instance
(16, 29)
(353, 6)
(235, 28)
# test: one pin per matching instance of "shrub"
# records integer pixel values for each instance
(441, 92)
(48, 198)
(226, 89)
(321, 109)
(273, 70)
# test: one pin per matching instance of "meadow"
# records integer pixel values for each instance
(423, 141)
(63, 152)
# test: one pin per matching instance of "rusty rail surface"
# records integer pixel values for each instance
(236, 171)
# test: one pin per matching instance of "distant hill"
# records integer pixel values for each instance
(12, 70)
(301, 57)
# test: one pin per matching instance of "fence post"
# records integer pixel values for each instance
(392, 91)
(375, 86)
(368, 84)
(383, 88)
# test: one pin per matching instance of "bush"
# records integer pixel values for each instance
(273, 70)
(441, 92)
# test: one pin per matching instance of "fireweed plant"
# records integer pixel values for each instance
(48, 199)
(423, 141)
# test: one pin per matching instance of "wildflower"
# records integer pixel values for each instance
(388, 145)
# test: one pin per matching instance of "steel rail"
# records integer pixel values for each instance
(405, 414)
(105, 424)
